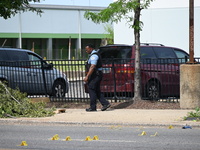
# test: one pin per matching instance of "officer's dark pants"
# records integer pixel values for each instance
(94, 90)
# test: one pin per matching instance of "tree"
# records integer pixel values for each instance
(9, 8)
(110, 33)
(117, 11)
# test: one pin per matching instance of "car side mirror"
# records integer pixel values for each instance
(47, 66)
(50, 66)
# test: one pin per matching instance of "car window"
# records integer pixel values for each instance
(3, 56)
(17, 55)
(147, 55)
(182, 56)
(118, 53)
(165, 55)
(163, 52)
(17, 58)
(147, 52)
(35, 61)
(33, 57)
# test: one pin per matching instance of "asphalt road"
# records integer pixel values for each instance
(110, 138)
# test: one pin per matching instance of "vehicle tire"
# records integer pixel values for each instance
(58, 89)
(153, 90)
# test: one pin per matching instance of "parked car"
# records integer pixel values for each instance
(27, 71)
(159, 69)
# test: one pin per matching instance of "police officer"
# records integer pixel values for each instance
(93, 79)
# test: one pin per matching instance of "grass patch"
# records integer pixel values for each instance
(69, 65)
(193, 114)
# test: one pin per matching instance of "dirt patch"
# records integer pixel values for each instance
(145, 104)
(142, 104)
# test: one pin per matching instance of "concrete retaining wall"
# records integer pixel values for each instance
(190, 86)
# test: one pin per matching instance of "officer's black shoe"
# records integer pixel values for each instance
(90, 109)
(105, 107)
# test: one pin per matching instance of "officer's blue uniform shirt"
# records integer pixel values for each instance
(93, 59)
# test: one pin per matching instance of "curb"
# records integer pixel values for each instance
(91, 123)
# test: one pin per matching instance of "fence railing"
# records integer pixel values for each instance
(160, 79)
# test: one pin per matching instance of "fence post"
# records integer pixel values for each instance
(44, 79)
(114, 79)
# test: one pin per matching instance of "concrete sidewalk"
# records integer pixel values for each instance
(136, 117)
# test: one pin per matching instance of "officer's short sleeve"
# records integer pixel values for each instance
(94, 58)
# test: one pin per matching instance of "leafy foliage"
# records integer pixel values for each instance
(110, 33)
(13, 103)
(12, 7)
(193, 114)
(121, 9)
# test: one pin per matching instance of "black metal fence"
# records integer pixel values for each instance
(160, 79)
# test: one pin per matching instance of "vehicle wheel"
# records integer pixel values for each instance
(58, 89)
(153, 91)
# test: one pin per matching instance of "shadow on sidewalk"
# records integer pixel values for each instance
(123, 105)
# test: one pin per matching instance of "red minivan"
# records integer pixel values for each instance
(159, 69)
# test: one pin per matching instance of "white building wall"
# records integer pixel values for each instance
(51, 21)
(165, 22)
(88, 26)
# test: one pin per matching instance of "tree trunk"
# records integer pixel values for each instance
(137, 76)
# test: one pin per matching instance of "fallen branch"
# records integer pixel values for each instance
(8, 92)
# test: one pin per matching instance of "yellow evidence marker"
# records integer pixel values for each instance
(170, 127)
(95, 137)
(143, 133)
(68, 138)
(88, 138)
(156, 134)
(55, 137)
(23, 143)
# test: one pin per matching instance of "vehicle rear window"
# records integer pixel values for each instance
(118, 53)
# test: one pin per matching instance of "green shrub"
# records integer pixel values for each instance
(193, 114)
(17, 104)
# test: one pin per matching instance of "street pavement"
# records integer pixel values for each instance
(129, 117)
(65, 137)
